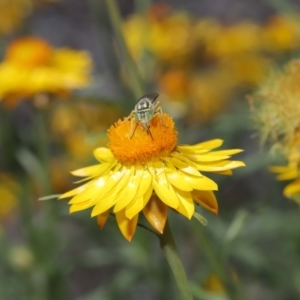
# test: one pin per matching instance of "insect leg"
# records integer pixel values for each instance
(131, 116)
(149, 132)
(133, 131)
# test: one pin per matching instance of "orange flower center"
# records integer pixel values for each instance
(131, 143)
(29, 52)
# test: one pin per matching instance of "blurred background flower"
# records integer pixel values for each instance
(9, 191)
(63, 82)
(191, 57)
(276, 110)
(13, 13)
(32, 66)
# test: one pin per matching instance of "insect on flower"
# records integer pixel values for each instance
(144, 111)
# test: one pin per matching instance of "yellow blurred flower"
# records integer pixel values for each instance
(282, 33)
(171, 39)
(205, 29)
(246, 69)
(167, 36)
(276, 111)
(73, 124)
(32, 66)
(288, 172)
(134, 31)
(13, 13)
(151, 175)
(292, 170)
(214, 285)
(209, 94)
(174, 83)
(243, 37)
(9, 190)
(276, 107)
(21, 258)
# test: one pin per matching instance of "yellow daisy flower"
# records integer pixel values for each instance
(32, 66)
(150, 175)
(288, 172)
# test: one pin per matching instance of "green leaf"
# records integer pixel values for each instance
(49, 197)
(200, 218)
(238, 223)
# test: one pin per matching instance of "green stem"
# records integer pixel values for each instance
(48, 240)
(116, 20)
(42, 149)
(170, 250)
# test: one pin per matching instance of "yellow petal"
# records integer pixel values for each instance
(177, 180)
(207, 199)
(156, 212)
(148, 195)
(228, 152)
(145, 183)
(183, 166)
(101, 186)
(292, 189)
(112, 181)
(82, 197)
(92, 188)
(219, 166)
(184, 158)
(105, 202)
(214, 155)
(165, 191)
(208, 145)
(211, 144)
(75, 191)
(81, 206)
(130, 191)
(292, 174)
(226, 172)
(134, 207)
(285, 172)
(101, 219)
(281, 169)
(186, 204)
(95, 170)
(201, 183)
(103, 154)
(126, 226)
(138, 203)
(206, 157)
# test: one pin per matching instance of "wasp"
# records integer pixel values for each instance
(144, 111)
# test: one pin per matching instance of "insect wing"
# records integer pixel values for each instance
(151, 96)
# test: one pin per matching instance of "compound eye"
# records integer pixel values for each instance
(144, 104)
